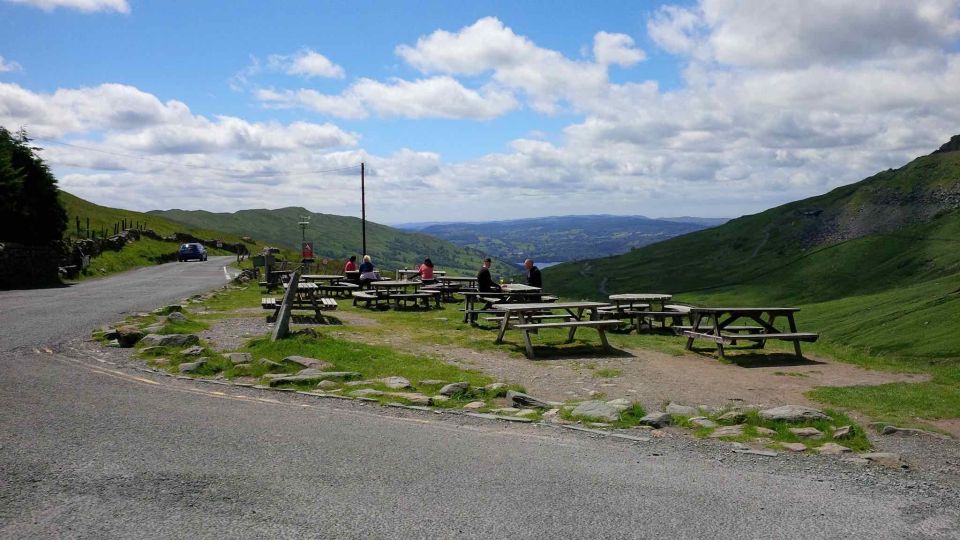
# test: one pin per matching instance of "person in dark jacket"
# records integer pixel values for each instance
(484, 281)
(534, 279)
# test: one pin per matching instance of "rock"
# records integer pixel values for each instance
(551, 414)
(454, 388)
(153, 328)
(656, 419)
(525, 400)
(113, 343)
(765, 431)
(703, 421)
(474, 405)
(413, 397)
(793, 413)
(365, 382)
(241, 367)
(190, 367)
(366, 392)
(527, 412)
(110, 333)
(308, 362)
(314, 378)
(674, 409)
(327, 385)
(310, 371)
(129, 335)
(506, 410)
(395, 383)
(794, 446)
(439, 399)
(597, 410)
(832, 449)
(594, 393)
(806, 432)
(196, 350)
(841, 432)
(727, 431)
(239, 357)
(271, 376)
(170, 340)
(733, 416)
(887, 459)
(151, 350)
(621, 404)
(269, 363)
(432, 382)
(176, 316)
(494, 388)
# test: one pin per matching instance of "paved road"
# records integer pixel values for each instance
(91, 450)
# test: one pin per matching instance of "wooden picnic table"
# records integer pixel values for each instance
(463, 281)
(329, 278)
(528, 313)
(340, 288)
(716, 324)
(394, 285)
(631, 300)
(406, 273)
(476, 302)
(305, 298)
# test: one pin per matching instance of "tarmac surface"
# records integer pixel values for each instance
(95, 450)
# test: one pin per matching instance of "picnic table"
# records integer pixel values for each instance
(305, 298)
(716, 324)
(329, 278)
(340, 288)
(462, 281)
(398, 292)
(477, 302)
(407, 273)
(528, 313)
(645, 308)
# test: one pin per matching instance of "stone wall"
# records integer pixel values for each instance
(23, 267)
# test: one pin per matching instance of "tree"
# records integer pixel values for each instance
(30, 209)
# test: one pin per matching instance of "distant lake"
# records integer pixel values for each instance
(542, 265)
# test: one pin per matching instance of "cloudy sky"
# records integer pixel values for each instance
(477, 110)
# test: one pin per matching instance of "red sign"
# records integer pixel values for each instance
(307, 250)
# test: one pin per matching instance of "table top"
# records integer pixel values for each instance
(409, 272)
(339, 286)
(393, 283)
(639, 297)
(548, 305)
(463, 279)
(302, 286)
(321, 277)
(519, 287)
(744, 309)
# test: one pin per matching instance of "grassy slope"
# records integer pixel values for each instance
(336, 237)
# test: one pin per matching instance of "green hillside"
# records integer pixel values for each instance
(337, 237)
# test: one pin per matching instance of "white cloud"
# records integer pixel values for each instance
(616, 49)
(307, 63)
(8, 65)
(86, 6)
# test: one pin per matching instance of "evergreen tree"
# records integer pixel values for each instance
(30, 210)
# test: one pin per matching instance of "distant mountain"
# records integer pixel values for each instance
(338, 237)
(705, 221)
(562, 238)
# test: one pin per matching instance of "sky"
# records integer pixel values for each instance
(472, 111)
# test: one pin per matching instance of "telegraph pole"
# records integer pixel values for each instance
(363, 208)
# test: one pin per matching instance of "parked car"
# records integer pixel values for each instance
(192, 251)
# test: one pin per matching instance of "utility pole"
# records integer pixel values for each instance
(363, 208)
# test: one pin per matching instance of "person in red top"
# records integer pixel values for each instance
(351, 265)
(426, 272)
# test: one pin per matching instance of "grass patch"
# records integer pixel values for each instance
(607, 373)
(856, 440)
(629, 417)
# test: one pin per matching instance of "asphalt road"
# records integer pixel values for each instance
(96, 451)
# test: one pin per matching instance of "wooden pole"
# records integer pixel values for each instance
(363, 208)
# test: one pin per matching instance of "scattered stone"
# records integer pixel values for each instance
(597, 410)
(703, 421)
(308, 362)
(525, 400)
(190, 367)
(794, 446)
(315, 378)
(129, 335)
(454, 388)
(506, 410)
(621, 404)
(439, 399)
(196, 350)
(832, 449)
(271, 376)
(551, 414)
(239, 357)
(150, 350)
(413, 397)
(269, 363)
(887, 459)
(674, 409)
(365, 382)
(656, 419)
(113, 343)
(153, 328)
(527, 412)
(751, 451)
(793, 413)
(176, 316)
(310, 371)
(396, 383)
(658, 434)
(326, 385)
(474, 405)
(432, 382)
(806, 432)
(366, 392)
(170, 340)
(765, 431)
(841, 432)
(728, 431)
(110, 333)
(493, 388)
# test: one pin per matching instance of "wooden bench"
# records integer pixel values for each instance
(367, 297)
(403, 298)
(539, 317)
(268, 303)
(759, 337)
(327, 304)
(680, 329)
(599, 326)
(470, 315)
(676, 317)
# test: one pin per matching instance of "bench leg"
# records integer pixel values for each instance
(527, 343)
(796, 343)
(503, 327)
(603, 339)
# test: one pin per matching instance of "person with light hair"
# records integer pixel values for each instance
(367, 272)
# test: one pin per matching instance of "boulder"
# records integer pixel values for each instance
(129, 335)
(674, 409)
(308, 362)
(887, 459)
(794, 446)
(524, 400)
(493, 388)
(703, 421)
(310, 371)
(621, 404)
(327, 385)
(793, 413)
(832, 449)
(765, 431)
(176, 316)
(806, 432)
(527, 412)
(413, 397)
(366, 392)
(656, 419)
(170, 340)
(454, 388)
(597, 410)
(727, 431)
(190, 367)
(239, 357)
(506, 410)
(314, 378)
(737, 417)
(841, 432)
(196, 350)
(269, 363)
(395, 383)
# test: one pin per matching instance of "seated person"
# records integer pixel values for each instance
(351, 265)
(367, 273)
(534, 279)
(425, 271)
(484, 281)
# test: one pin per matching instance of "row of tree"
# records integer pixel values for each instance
(30, 210)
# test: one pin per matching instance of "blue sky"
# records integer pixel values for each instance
(477, 110)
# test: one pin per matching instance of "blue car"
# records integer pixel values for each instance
(192, 251)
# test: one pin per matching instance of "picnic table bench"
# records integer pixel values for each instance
(320, 304)
(716, 324)
(526, 313)
(481, 303)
